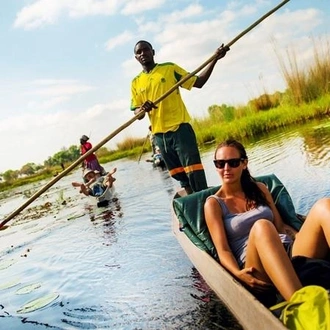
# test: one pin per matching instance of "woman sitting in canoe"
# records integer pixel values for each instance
(248, 232)
(95, 183)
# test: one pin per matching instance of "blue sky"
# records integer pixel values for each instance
(66, 65)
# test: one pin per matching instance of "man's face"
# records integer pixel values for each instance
(144, 53)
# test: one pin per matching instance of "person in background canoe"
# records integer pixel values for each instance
(248, 232)
(158, 158)
(170, 119)
(95, 183)
(152, 141)
(91, 162)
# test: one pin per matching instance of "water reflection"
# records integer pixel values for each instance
(120, 267)
(317, 145)
(106, 218)
(212, 314)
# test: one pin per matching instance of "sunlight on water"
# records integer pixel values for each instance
(120, 267)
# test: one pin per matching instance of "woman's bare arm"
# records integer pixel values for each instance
(279, 223)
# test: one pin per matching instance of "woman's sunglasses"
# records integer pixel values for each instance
(233, 162)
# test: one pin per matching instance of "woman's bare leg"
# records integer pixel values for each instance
(266, 254)
(313, 239)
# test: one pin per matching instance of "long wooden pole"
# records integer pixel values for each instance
(144, 143)
(132, 120)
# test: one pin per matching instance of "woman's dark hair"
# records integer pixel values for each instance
(254, 195)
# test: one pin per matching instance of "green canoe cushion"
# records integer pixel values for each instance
(190, 211)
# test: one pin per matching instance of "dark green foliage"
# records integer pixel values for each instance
(64, 156)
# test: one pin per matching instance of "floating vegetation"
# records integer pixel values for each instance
(35, 212)
(27, 193)
(61, 200)
(35, 304)
(7, 263)
(40, 211)
(10, 284)
(28, 288)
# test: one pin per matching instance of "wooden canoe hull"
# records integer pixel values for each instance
(105, 198)
(249, 312)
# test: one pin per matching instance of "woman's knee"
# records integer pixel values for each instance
(262, 227)
(320, 210)
(323, 204)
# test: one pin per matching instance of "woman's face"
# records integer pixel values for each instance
(229, 164)
(90, 176)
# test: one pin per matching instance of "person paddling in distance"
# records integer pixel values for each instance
(95, 183)
(91, 162)
(248, 232)
(152, 140)
(170, 119)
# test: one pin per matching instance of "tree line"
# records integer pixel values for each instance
(65, 156)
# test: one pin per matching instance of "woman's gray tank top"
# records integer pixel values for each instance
(238, 226)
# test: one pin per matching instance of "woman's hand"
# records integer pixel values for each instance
(247, 277)
(289, 231)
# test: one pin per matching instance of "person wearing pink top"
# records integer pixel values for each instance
(91, 162)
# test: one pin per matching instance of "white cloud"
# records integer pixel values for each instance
(188, 12)
(83, 8)
(121, 39)
(290, 24)
(137, 6)
(39, 13)
(45, 134)
(44, 12)
(60, 89)
(44, 94)
(47, 104)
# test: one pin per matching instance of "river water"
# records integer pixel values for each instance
(121, 267)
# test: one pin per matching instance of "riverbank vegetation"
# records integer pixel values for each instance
(307, 96)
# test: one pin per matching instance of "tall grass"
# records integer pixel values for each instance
(305, 84)
(130, 143)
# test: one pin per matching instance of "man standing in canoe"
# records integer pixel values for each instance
(170, 119)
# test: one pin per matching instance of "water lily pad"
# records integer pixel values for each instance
(10, 284)
(7, 263)
(35, 304)
(28, 288)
